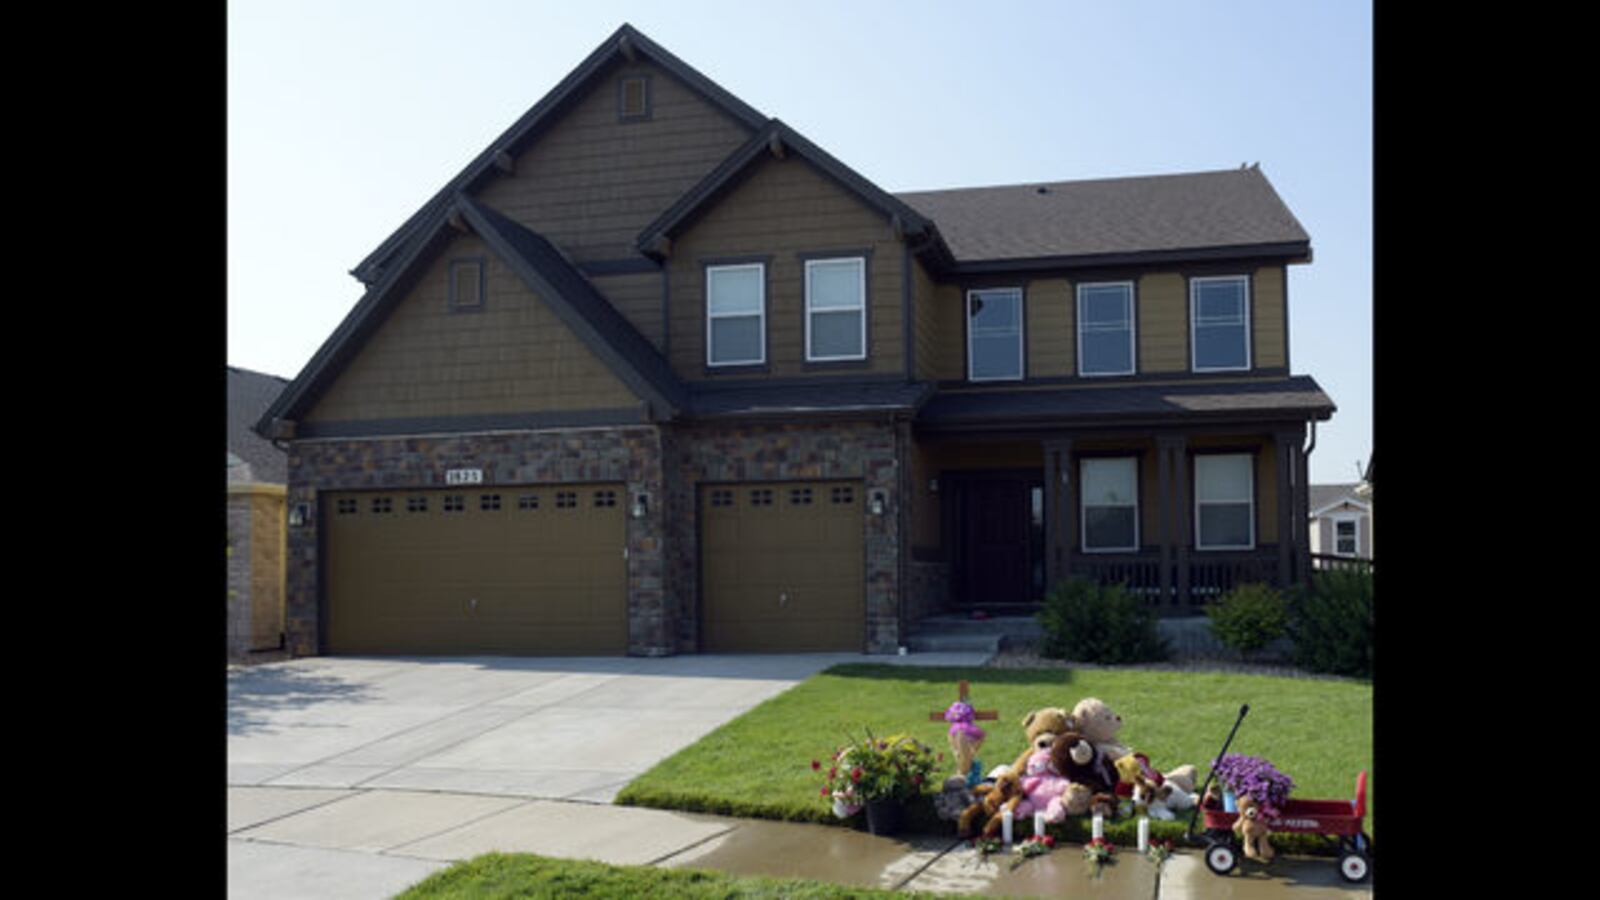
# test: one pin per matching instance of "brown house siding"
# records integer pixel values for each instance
(512, 356)
(638, 298)
(1267, 312)
(784, 211)
(1163, 316)
(1052, 342)
(593, 182)
(926, 322)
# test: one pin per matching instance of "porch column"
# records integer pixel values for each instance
(1288, 529)
(1180, 506)
(1169, 454)
(1302, 510)
(1061, 530)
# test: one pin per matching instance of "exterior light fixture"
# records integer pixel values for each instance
(878, 503)
(298, 515)
(933, 485)
(641, 506)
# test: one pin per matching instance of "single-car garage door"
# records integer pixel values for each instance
(783, 567)
(512, 570)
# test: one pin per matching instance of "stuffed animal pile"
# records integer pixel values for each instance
(1071, 766)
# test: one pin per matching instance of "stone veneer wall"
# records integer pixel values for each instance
(629, 455)
(240, 622)
(787, 452)
(927, 590)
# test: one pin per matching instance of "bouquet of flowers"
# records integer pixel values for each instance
(1159, 851)
(1255, 777)
(891, 768)
(1037, 845)
(1099, 852)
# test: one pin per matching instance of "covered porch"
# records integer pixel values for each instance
(1006, 504)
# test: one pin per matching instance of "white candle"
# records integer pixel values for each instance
(1005, 825)
(1038, 824)
(1099, 825)
(1144, 833)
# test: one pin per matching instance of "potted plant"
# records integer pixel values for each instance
(1255, 777)
(879, 775)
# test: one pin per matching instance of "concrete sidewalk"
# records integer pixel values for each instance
(354, 844)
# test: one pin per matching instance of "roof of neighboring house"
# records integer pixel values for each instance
(249, 395)
(721, 401)
(1226, 214)
(625, 43)
(1296, 397)
(1323, 496)
(547, 273)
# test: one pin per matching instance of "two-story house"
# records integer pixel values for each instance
(655, 374)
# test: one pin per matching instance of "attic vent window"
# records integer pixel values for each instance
(633, 98)
(466, 284)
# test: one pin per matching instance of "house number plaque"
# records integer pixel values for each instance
(463, 476)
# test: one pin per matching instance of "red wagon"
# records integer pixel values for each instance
(1339, 820)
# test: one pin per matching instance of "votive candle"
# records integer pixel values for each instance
(1038, 824)
(1144, 833)
(1005, 825)
(1099, 826)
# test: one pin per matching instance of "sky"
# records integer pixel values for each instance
(345, 117)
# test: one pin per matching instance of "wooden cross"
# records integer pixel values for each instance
(963, 692)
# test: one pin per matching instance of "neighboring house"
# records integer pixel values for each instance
(257, 478)
(655, 374)
(1341, 521)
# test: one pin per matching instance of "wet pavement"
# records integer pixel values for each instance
(374, 843)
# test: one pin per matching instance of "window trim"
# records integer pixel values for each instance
(1133, 327)
(622, 92)
(1354, 518)
(1250, 457)
(1022, 332)
(761, 314)
(1194, 316)
(1083, 507)
(861, 309)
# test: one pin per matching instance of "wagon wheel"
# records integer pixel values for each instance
(1354, 864)
(1222, 856)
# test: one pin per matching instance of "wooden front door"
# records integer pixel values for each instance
(1001, 538)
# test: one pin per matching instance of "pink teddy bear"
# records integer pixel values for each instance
(1043, 788)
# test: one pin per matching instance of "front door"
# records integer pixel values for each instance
(1001, 538)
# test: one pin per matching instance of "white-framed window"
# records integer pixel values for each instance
(1347, 536)
(1106, 330)
(836, 309)
(994, 334)
(1109, 504)
(1224, 501)
(736, 315)
(1219, 323)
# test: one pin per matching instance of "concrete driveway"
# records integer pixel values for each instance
(569, 729)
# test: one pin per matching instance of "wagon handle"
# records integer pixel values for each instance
(1188, 833)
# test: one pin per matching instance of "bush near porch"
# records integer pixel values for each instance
(1319, 732)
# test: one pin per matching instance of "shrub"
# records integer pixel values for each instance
(1088, 622)
(1330, 622)
(1249, 617)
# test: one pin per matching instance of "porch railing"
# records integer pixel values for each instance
(1210, 575)
(1323, 562)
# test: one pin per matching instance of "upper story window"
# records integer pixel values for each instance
(1105, 328)
(633, 98)
(836, 309)
(466, 284)
(1224, 501)
(1346, 536)
(994, 334)
(736, 315)
(1109, 489)
(1220, 323)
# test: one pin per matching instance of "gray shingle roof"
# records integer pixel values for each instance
(835, 397)
(1110, 216)
(249, 395)
(1297, 396)
(1323, 494)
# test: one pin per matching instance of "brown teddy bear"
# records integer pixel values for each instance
(1041, 726)
(1085, 769)
(1005, 793)
(1251, 826)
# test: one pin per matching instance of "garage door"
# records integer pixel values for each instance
(528, 570)
(782, 566)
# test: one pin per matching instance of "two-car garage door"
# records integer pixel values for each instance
(517, 570)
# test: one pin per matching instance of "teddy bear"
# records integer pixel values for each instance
(1087, 770)
(1160, 794)
(992, 799)
(1096, 721)
(951, 802)
(1043, 788)
(1251, 826)
(1041, 726)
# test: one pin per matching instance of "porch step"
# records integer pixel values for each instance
(961, 632)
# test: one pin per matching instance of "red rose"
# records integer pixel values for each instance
(822, 792)
(916, 779)
(815, 766)
(832, 772)
(1049, 841)
(855, 774)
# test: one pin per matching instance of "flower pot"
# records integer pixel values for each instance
(1230, 803)
(884, 816)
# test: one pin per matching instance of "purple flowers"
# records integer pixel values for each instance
(1255, 777)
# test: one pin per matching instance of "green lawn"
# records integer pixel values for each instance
(521, 875)
(759, 765)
